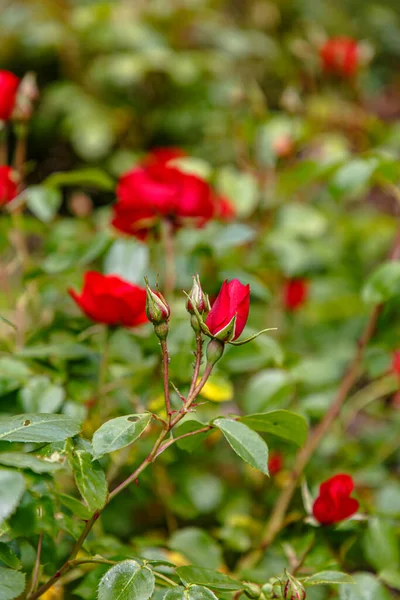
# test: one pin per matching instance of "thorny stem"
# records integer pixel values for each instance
(199, 356)
(165, 365)
(155, 452)
(167, 237)
(181, 437)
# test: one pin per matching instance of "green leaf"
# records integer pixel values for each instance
(125, 581)
(40, 395)
(381, 545)
(383, 284)
(43, 201)
(391, 578)
(81, 178)
(118, 433)
(75, 506)
(89, 477)
(198, 546)
(208, 577)
(193, 592)
(129, 259)
(8, 557)
(352, 177)
(268, 389)
(282, 423)
(327, 578)
(245, 442)
(192, 441)
(366, 587)
(22, 460)
(12, 486)
(12, 583)
(38, 428)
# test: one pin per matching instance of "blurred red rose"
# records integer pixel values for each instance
(8, 92)
(340, 56)
(164, 155)
(224, 209)
(110, 300)
(150, 192)
(232, 301)
(333, 503)
(295, 293)
(8, 185)
(396, 362)
(275, 462)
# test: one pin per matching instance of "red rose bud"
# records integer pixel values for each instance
(295, 293)
(197, 298)
(229, 313)
(110, 300)
(8, 93)
(154, 191)
(396, 362)
(340, 56)
(157, 308)
(8, 185)
(333, 503)
(292, 589)
(275, 463)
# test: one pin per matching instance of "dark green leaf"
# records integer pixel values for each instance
(327, 578)
(383, 284)
(38, 428)
(22, 460)
(118, 433)
(281, 423)
(192, 441)
(193, 592)
(89, 477)
(381, 545)
(125, 581)
(245, 442)
(75, 506)
(8, 557)
(81, 178)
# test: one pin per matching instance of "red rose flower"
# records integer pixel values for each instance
(154, 191)
(232, 301)
(8, 185)
(334, 503)
(340, 56)
(8, 92)
(164, 155)
(110, 300)
(396, 362)
(275, 463)
(295, 293)
(224, 209)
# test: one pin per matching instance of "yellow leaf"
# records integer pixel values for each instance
(217, 389)
(56, 592)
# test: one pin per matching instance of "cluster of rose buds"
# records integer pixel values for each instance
(157, 189)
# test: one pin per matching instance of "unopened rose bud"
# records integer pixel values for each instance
(252, 591)
(215, 350)
(292, 589)
(198, 298)
(157, 309)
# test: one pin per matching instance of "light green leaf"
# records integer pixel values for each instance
(198, 546)
(89, 477)
(8, 557)
(129, 259)
(381, 545)
(22, 460)
(208, 577)
(125, 581)
(366, 587)
(391, 578)
(245, 442)
(193, 592)
(40, 395)
(383, 284)
(118, 433)
(12, 583)
(12, 486)
(81, 178)
(43, 201)
(282, 423)
(38, 428)
(268, 389)
(327, 578)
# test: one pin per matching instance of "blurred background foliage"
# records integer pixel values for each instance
(311, 164)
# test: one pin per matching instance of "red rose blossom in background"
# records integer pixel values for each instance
(340, 56)
(275, 462)
(232, 301)
(333, 503)
(164, 155)
(396, 362)
(8, 92)
(8, 185)
(295, 293)
(224, 209)
(154, 191)
(111, 300)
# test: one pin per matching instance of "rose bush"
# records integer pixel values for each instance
(193, 173)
